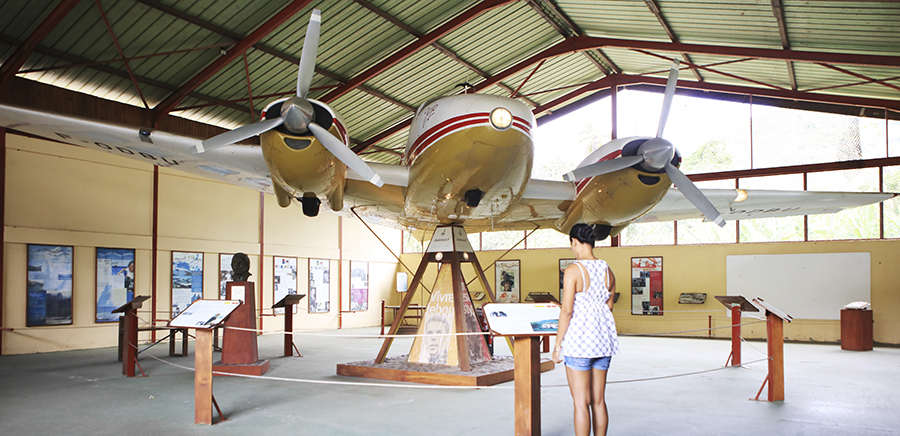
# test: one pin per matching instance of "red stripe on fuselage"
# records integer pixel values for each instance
(450, 125)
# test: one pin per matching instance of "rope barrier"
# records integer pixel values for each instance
(690, 331)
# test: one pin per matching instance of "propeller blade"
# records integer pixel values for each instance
(345, 155)
(238, 135)
(308, 56)
(667, 100)
(603, 167)
(694, 195)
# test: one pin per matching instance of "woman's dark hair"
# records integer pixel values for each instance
(583, 233)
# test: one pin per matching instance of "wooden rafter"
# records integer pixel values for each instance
(436, 45)
(654, 8)
(163, 108)
(778, 12)
(9, 68)
(265, 49)
(425, 40)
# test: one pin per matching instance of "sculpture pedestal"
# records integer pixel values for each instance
(240, 353)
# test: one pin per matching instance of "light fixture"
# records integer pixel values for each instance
(438, 256)
(741, 196)
(466, 256)
(501, 118)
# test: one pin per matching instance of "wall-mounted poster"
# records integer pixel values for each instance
(402, 282)
(319, 288)
(563, 264)
(225, 273)
(507, 281)
(49, 289)
(284, 280)
(115, 281)
(359, 286)
(187, 280)
(646, 286)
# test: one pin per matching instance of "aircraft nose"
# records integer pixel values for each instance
(297, 114)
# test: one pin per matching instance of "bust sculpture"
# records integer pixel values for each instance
(240, 265)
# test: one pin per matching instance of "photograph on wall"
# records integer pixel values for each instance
(225, 273)
(187, 280)
(49, 288)
(359, 286)
(646, 286)
(507, 281)
(402, 282)
(319, 287)
(115, 281)
(284, 280)
(563, 264)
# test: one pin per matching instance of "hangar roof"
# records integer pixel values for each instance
(222, 61)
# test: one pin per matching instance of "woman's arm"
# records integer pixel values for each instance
(611, 285)
(570, 284)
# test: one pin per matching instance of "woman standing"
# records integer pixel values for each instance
(587, 337)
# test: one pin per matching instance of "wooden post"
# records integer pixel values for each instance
(203, 377)
(527, 375)
(736, 335)
(395, 325)
(130, 357)
(776, 356)
(288, 328)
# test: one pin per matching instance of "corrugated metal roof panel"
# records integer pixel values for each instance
(614, 19)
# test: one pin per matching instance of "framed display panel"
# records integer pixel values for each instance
(506, 281)
(49, 288)
(115, 282)
(563, 264)
(284, 280)
(319, 287)
(646, 285)
(187, 280)
(402, 282)
(359, 286)
(225, 273)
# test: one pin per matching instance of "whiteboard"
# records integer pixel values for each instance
(805, 286)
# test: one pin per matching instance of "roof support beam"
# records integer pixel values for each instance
(654, 8)
(9, 68)
(778, 12)
(265, 49)
(162, 109)
(425, 40)
(568, 28)
(436, 45)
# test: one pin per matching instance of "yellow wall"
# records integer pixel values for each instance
(58, 194)
(701, 268)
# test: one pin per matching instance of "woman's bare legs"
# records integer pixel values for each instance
(588, 390)
(598, 401)
(580, 387)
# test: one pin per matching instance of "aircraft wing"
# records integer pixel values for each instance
(240, 165)
(760, 204)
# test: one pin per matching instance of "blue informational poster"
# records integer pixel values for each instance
(115, 281)
(187, 280)
(49, 285)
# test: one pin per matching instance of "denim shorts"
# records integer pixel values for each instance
(586, 363)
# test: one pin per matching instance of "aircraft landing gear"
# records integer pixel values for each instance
(310, 206)
(473, 197)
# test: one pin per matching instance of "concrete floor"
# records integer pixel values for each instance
(828, 392)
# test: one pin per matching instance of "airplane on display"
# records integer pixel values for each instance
(468, 162)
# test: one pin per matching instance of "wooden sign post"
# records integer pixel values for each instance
(737, 304)
(204, 316)
(527, 324)
(775, 332)
(130, 321)
(288, 303)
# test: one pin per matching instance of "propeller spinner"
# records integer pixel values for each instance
(298, 114)
(654, 155)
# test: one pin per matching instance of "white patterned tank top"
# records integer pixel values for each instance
(592, 329)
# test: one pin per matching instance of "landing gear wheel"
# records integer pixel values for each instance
(310, 206)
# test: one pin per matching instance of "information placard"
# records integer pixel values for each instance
(204, 314)
(520, 319)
